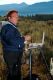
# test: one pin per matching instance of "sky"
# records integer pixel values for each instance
(20, 1)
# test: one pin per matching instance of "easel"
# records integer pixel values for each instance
(40, 47)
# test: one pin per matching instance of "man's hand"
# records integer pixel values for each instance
(27, 38)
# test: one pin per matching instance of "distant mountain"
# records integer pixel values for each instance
(24, 9)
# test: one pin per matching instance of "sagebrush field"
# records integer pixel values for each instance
(35, 28)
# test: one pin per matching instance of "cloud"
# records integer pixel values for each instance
(20, 1)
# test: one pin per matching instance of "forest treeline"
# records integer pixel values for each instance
(39, 17)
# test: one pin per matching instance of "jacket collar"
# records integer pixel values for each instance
(12, 24)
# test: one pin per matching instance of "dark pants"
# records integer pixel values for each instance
(13, 61)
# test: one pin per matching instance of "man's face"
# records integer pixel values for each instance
(14, 18)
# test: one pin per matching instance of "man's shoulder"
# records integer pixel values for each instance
(7, 26)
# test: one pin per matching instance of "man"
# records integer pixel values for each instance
(13, 45)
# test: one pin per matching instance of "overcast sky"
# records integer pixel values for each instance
(20, 1)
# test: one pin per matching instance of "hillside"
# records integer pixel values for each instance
(25, 9)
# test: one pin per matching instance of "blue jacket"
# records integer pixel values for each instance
(11, 38)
